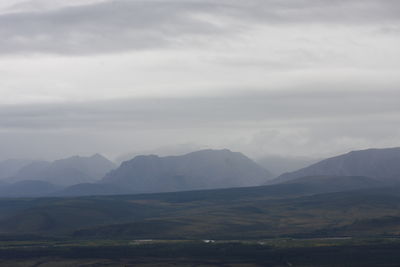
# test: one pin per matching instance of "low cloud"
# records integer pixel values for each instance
(238, 110)
(312, 123)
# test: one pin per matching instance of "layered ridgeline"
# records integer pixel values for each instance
(66, 172)
(382, 164)
(206, 169)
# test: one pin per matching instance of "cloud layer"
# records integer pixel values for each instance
(117, 26)
(249, 109)
(304, 77)
(307, 123)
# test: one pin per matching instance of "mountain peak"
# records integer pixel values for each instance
(204, 169)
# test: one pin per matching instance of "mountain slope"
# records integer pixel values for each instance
(206, 169)
(10, 167)
(324, 184)
(32, 171)
(69, 171)
(383, 164)
(282, 164)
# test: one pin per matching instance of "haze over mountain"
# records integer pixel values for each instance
(66, 172)
(206, 169)
(10, 167)
(282, 164)
(31, 171)
(383, 164)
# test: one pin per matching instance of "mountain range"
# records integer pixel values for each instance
(200, 170)
(351, 194)
(96, 175)
(347, 204)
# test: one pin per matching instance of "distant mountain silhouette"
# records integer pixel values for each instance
(206, 169)
(65, 172)
(10, 167)
(383, 164)
(32, 171)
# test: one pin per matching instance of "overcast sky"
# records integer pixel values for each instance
(287, 77)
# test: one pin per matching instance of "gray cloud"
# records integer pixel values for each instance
(316, 123)
(102, 27)
(343, 76)
(224, 111)
(324, 11)
(287, 123)
(117, 26)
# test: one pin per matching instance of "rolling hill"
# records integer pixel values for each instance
(309, 207)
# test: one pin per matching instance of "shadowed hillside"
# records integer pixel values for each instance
(376, 163)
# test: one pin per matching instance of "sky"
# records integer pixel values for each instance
(310, 78)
